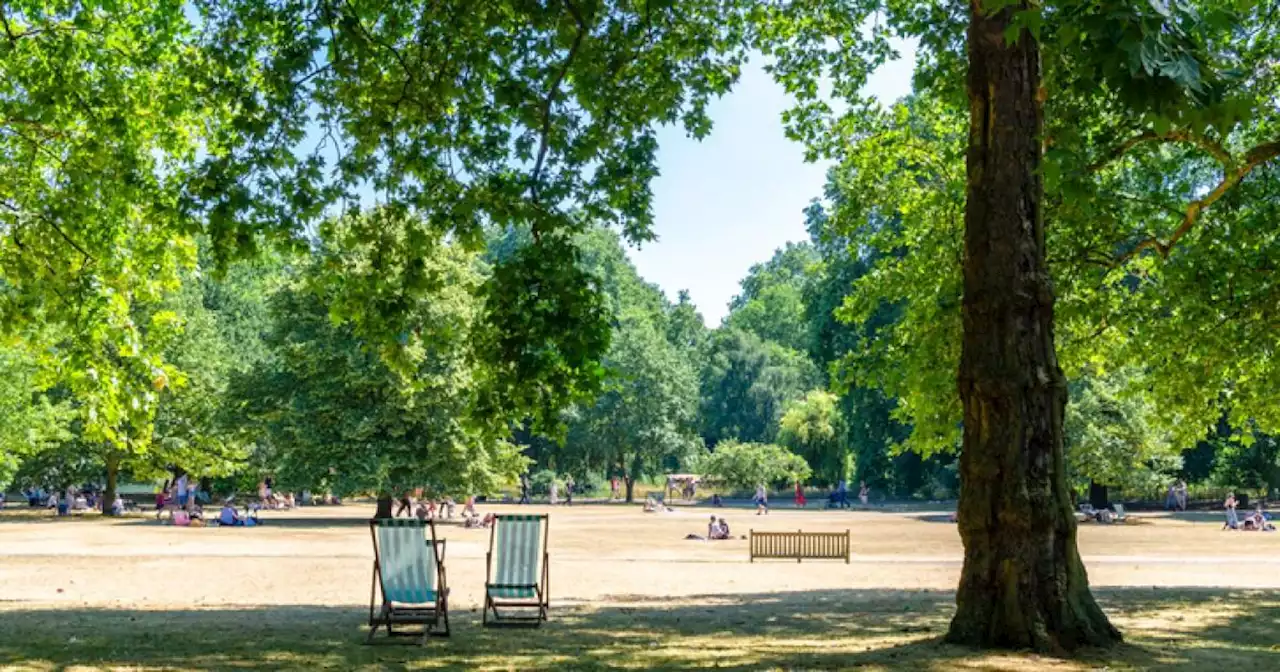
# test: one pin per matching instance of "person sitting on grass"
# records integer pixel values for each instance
(229, 516)
(117, 506)
(652, 505)
(716, 501)
(722, 530)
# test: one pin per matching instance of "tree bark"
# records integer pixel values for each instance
(385, 502)
(1023, 584)
(109, 491)
(631, 484)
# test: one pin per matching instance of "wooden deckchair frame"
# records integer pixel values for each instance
(432, 616)
(541, 599)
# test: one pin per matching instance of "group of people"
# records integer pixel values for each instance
(1176, 497)
(717, 529)
(412, 504)
(63, 502)
(1254, 522)
(839, 498)
(683, 485)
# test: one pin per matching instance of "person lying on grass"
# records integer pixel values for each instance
(477, 522)
(1257, 521)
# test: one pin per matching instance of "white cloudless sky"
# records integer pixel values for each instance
(729, 201)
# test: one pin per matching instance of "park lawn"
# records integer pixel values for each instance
(1174, 629)
(627, 593)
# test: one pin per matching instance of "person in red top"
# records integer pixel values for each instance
(800, 500)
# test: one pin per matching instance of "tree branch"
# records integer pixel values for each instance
(52, 224)
(552, 93)
(1230, 178)
(1212, 147)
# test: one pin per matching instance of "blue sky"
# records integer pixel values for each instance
(727, 202)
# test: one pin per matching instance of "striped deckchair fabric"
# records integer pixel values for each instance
(408, 564)
(408, 568)
(518, 573)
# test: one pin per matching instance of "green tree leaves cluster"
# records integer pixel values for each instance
(747, 465)
(814, 429)
(337, 410)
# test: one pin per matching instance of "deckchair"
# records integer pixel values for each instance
(1120, 515)
(408, 568)
(514, 580)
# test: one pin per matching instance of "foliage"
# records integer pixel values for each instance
(746, 465)
(30, 421)
(1113, 437)
(814, 429)
(1248, 459)
(771, 304)
(746, 384)
(335, 414)
(643, 419)
(1157, 193)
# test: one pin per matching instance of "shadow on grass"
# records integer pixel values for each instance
(1202, 629)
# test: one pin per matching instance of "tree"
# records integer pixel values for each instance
(746, 465)
(771, 304)
(343, 413)
(746, 384)
(31, 422)
(813, 428)
(646, 413)
(875, 427)
(685, 327)
(643, 418)
(1023, 584)
(1113, 437)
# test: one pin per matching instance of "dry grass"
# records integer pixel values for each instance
(628, 592)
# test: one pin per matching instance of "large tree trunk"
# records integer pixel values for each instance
(1023, 583)
(109, 492)
(631, 484)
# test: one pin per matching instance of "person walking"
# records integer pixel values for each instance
(1180, 494)
(568, 490)
(801, 502)
(864, 494)
(762, 500)
(841, 497)
(553, 494)
(524, 489)
(1171, 497)
(613, 489)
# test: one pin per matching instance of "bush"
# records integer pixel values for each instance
(746, 465)
(540, 482)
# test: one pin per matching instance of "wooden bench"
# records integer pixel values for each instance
(800, 545)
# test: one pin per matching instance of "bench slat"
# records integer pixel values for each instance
(800, 545)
